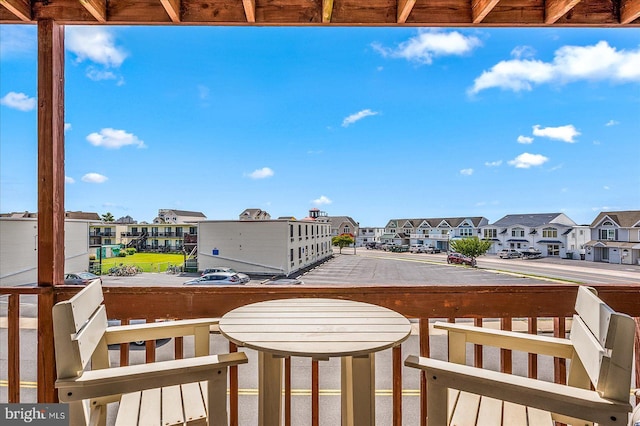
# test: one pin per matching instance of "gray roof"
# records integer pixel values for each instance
(433, 222)
(532, 220)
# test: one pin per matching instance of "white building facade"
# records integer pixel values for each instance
(263, 247)
(19, 249)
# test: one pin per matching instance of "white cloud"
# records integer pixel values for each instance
(564, 133)
(262, 173)
(523, 52)
(67, 127)
(612, 123)
(95, 44)
(429, 44)
(493, 163)
(570, 63)
(525, 140)
(203, 91)
(96, 74)
(94, 178)
(18, 101)
(68, 179)
(526, 160)
(114, 139)
(466, 172)
(606, 188)
(357, 116)
(322, 200)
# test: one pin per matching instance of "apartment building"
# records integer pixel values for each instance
(170, 231)
(368, 235)
(615, 238)
(265, 246)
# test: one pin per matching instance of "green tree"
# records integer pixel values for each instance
(108, 217)
(341, 241)
(472, 247)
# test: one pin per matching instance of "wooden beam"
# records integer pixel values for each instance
(250, 10)
(173, 9)
(50, 193)
(20, 8)
(481, 8)
(404, 9)
(556, 9)
(629, 11)
(97, 8)
(327, 11)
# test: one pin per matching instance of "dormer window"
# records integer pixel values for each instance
(550, 233)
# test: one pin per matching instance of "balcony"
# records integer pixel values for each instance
(510, 307)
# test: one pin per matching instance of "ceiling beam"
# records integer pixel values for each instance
(481, 8)
(97, 8)
(556, 9)
(327, 11)
(629, 11)
(250, 10)
(404, 9)
(20, 8)
(173, 9)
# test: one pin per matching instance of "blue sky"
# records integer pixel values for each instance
(373, 123)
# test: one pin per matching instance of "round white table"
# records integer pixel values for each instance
(319, 329)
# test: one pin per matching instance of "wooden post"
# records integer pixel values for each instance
(50, 193)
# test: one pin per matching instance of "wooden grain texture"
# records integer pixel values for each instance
(328, 327)
(507, 13)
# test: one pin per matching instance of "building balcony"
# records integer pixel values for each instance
(533, 309)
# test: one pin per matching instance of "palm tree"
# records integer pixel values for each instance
(108, 217)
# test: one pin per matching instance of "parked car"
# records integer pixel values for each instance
(217, 278)
(460, 259)
(138, 344)
(244, 277)
(509, 254)
(80, 278)
(418, 248)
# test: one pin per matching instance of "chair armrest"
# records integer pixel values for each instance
(158, 330)
(532, 343)
(553, 397)
(119, 380)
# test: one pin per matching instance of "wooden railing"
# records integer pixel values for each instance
(423, 303)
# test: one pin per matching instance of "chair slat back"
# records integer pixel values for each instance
(79, 325)
(603, 340)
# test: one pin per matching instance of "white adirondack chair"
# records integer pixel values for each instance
(600, 348)
(182, 391)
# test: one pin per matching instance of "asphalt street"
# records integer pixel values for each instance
(365, 267)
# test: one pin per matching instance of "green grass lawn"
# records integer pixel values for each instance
(149, 262)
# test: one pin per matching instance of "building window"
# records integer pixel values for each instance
(517, 232)
(490, 233)
(553, 250)
(466, 232)
(607, 234)
(549, 233)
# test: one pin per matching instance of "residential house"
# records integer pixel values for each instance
(553, 234)
(265, 247)
(254, 214)
(434, 232)
(615, 238)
